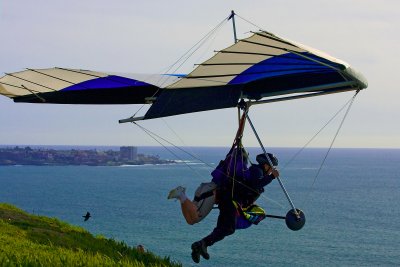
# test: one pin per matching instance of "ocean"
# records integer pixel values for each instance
(351, 208)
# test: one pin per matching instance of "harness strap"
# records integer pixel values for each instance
(238, 144)
(251, 215)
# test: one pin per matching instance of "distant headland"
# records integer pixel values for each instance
(126, 155)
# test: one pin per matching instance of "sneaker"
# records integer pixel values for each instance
(199, 248)
(176, 192)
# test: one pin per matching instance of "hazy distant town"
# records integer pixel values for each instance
(127, 155)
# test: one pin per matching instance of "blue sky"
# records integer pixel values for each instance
(148, 36)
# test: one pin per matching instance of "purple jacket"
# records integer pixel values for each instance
(248, 182)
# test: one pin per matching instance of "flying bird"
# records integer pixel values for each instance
(87, 216)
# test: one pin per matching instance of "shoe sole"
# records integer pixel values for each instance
(199, 251)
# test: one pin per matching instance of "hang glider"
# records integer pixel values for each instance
(259, 69)
(255, 68)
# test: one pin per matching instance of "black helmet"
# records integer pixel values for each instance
(261, 159)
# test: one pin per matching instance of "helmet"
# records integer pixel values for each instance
(262, 159)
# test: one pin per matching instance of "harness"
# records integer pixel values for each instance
(226, 174)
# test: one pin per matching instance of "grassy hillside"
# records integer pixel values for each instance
(30, 240)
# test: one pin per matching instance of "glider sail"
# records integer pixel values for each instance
(260, 66)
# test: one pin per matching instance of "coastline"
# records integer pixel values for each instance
(13, 156)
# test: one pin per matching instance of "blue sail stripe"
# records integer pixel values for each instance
(109, 82)
(284, 65)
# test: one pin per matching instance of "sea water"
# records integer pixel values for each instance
(352, 206)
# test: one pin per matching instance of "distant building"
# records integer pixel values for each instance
(128, 152)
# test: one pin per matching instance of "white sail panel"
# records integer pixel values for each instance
(44, 80)
(223, 67)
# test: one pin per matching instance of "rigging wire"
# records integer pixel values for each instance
(177, 136)
(316, 134)
(207, 49)
(331, 145)
(260, 28)
(184, 58)
(172, 144)
(195, 47)
(154, 136)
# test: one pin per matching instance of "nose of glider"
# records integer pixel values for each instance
(356, 75)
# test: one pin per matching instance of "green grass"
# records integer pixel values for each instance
(29, 240)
